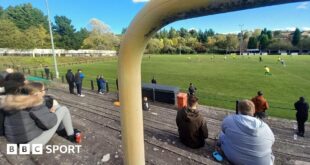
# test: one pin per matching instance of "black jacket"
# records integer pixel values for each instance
(302, 110)
(192, 90)
(70, 77)
(26, 117)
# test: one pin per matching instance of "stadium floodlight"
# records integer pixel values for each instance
(241, 39)
(52, 40)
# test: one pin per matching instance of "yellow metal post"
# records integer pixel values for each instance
(155, 15)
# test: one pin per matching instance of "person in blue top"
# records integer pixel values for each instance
(79, 76)
(102, 85)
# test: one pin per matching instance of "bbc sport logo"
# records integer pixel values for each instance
(37, 149)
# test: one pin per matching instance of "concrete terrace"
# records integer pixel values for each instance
(99, 120)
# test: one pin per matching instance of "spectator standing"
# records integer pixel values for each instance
(102, 84)
(192, 127)
(191, 89)
(79, 76)
(47, 72)
(261, 105)
(98, 83)
(302, 108)
(116, 83)
(153, 81)
(70, 80)
(245, 139)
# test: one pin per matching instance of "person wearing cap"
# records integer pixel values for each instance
(261, 105)
(192, 126)
(245, 139)
(302, 108)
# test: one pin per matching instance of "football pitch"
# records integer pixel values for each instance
(219, 81)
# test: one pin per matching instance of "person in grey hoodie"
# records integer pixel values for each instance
(245, 139)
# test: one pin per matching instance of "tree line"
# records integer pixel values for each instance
(26, 27)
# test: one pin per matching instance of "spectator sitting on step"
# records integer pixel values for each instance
(192, 126)
(145, 104)
(29, 120)
(245, 139)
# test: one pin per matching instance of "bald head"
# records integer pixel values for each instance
(246, 107)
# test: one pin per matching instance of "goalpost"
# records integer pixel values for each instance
(155, 15)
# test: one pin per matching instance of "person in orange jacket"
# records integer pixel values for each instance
(261, 105)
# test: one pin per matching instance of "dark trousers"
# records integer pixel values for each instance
(71, 87)
(79, 88)
(47, 75)
(301, 126)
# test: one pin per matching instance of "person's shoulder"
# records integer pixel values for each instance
(229, 118)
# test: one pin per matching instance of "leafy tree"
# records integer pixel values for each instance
(231, 42)
(36, 37)
(280, 44)
(220, 42)
(100, 37)
(167, 42)
(269, 34)
(257, 32)
(296, 37)
(154, 46)
(184, 33)
(305, 43)
(201, 36)
(172, 33)
(163, 33)
(209, 33)
(25, 16)
(1, 11)
(169, 50)
(252, 44)
(66, 32)
(193, 33)
(277, 33)
(264, 41)
(80, 36)
(10, 35)
(200, 48)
